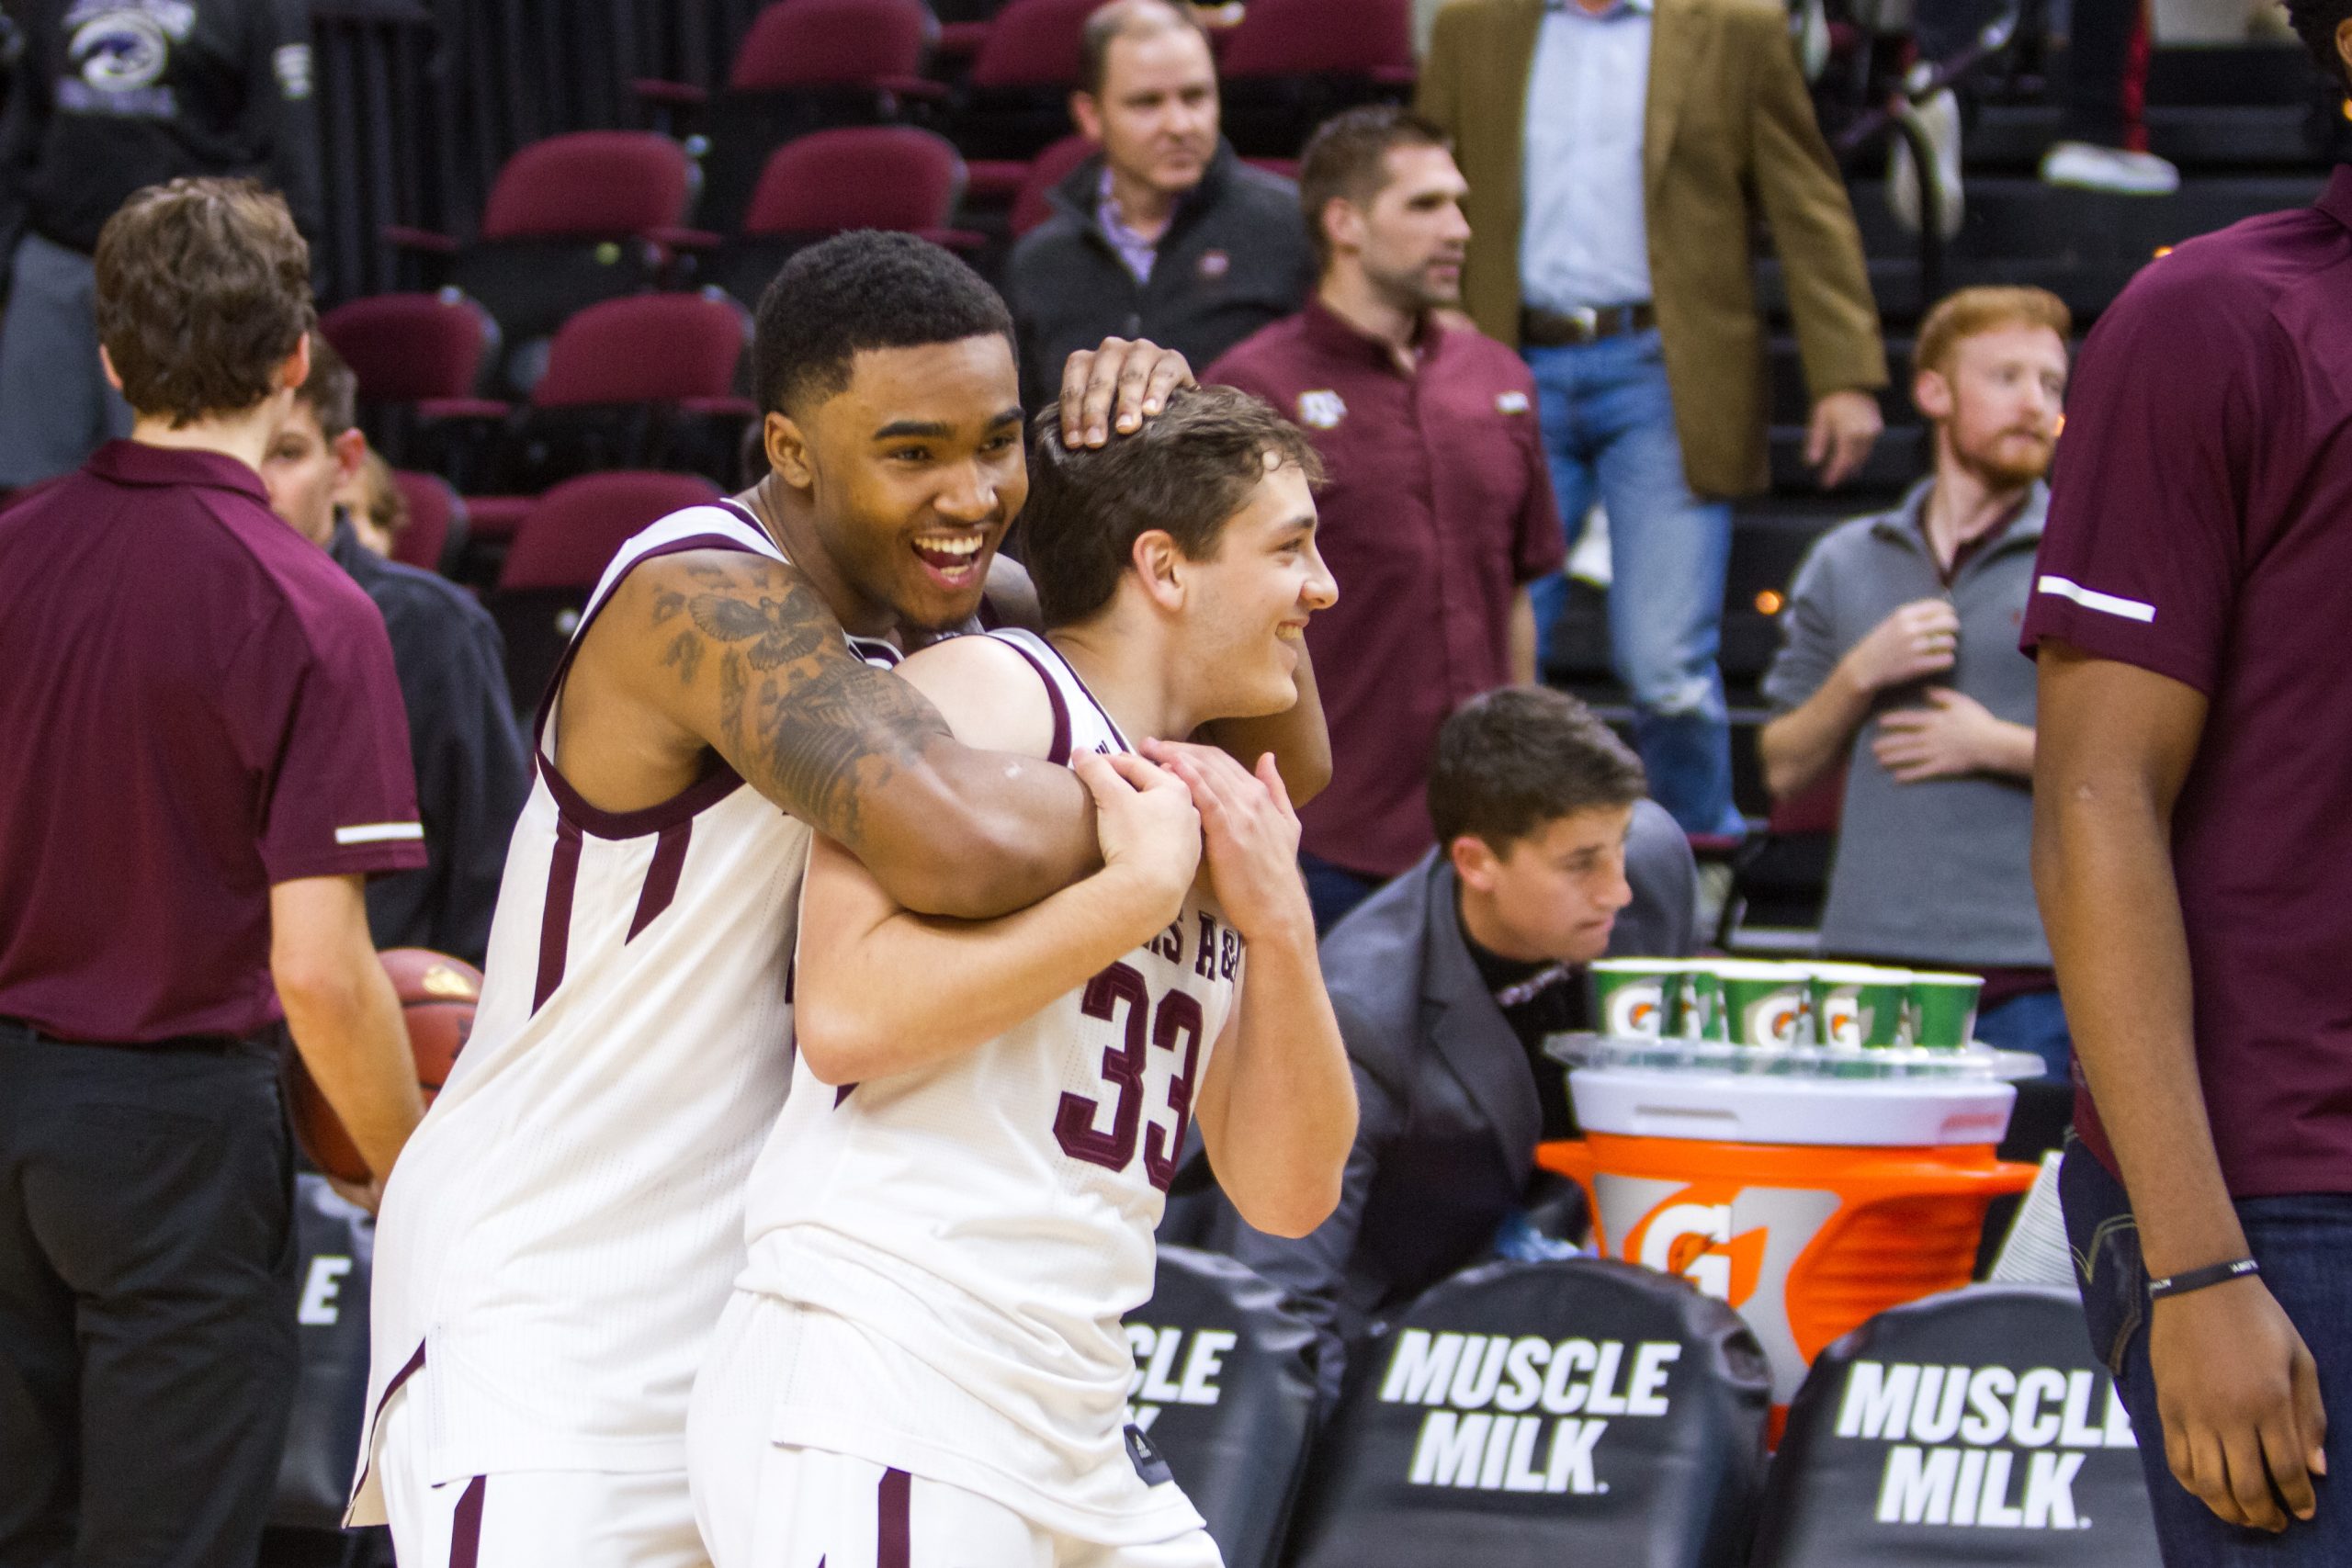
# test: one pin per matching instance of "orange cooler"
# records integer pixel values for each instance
(1808, 1199)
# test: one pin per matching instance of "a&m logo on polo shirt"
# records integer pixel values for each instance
(1511, 403)
(1321, 410)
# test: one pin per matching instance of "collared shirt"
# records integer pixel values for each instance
(472, 772)
(1584, 235)
(2201, 529)
(1135, 250)
(206, 707)
(1967, 838)
(1439, 506)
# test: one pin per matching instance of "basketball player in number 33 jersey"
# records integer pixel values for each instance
(923, 1363)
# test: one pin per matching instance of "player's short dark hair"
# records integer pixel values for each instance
(1510, 762)
(2316, 21)
(1186, 473)
(1107, 23)
(861, 291)
(203, 290)
(1348, 157)
(330, 390)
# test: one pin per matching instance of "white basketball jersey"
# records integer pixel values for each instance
(560, 1236)
(992, 1218)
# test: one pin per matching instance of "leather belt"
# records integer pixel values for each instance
(1585, 324)
(16, 1032)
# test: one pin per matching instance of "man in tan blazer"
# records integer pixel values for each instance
(1620, 154)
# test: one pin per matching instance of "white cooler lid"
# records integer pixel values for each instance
(1745, 1107)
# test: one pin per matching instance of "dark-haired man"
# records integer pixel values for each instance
(1439, 512)
(472, 774)
(211, 761)
(2193, 842)
(955, 1213)
(1167, 234)
(567, 1225)
(1446, 982)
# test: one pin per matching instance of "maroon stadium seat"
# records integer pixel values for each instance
(567, 539)
(875, 176)
(1031, 207)
(648, 348)
(413, 348)
(1305, 38)
(1015, 100)
(435, 533)
(649, 380)
(877, 44)
(570, 220)
(591, 184)
(419, 360)
(1291, 64)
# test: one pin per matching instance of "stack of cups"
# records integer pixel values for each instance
(1770, 1006)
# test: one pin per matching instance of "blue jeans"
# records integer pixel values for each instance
(1332, 890)
(2305, 1245)
(55, 405)
(2036, 1022)
(1608, 430)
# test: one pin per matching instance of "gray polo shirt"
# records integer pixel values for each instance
(1935, 872)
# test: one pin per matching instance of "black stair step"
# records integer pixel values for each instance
(1900, 456)
(2202, 139)
(2018, 217)
(2249, 73)
(1792, 399)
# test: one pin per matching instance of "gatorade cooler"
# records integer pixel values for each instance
(1810, 1188)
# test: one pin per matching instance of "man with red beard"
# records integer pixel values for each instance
(1899, 666)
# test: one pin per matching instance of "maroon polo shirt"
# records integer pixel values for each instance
(2200, 527)
(200, 703)
(1438, 507)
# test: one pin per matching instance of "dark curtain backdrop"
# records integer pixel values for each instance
(420, 101)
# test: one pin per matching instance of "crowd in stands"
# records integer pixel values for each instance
(1513, 308)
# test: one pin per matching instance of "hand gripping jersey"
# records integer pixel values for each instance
(560, 1236)
(984, 1225)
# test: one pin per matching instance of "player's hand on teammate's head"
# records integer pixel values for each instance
(1145, 821)
(1118, 385)
(1252, 838)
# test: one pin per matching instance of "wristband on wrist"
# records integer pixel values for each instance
(2198, 1279)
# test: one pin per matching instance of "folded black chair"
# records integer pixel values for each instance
(1529, 1414)
(1973, 1426)
(1225, 1393)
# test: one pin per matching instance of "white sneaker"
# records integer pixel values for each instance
(2086, 166)
(1940, 114)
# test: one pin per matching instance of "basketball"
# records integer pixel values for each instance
(437, 995)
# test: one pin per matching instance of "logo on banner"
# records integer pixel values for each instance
(1174, 1366)
(1522, 1413)
(1985, 1447)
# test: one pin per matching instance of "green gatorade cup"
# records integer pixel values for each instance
(1943, 1009)
(1764, 1004)
(1634, 997)
(1700, 1015)
(1859, 1006)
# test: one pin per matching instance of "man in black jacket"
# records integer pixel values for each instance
(1166, 234)
(1446, 983)
(471, 773)
(108, 98)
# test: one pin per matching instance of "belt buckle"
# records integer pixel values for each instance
(1587, 322)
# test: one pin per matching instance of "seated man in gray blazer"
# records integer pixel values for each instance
(1446, 982)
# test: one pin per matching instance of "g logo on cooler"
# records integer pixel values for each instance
(1638, 1007)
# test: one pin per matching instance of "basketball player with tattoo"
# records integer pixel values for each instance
(559, 1238)
(923, 1365)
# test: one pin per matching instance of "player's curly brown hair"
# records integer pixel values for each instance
(1186, 473)
(203, 290)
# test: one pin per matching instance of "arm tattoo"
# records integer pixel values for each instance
(809, 723)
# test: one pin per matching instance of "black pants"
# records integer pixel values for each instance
(2098, 56)
(147, 1335)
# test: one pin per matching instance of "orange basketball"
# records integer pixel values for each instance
(437, 997)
